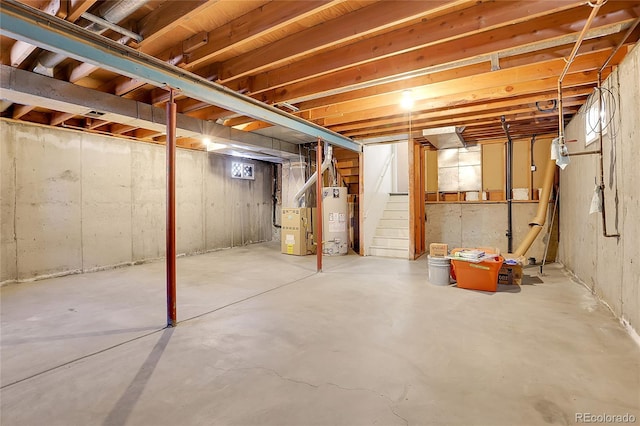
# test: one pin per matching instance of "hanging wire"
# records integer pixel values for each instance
(554, 107)
(610, 107)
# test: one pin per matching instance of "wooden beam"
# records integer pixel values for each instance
(20, 111)
(273, 16)
(118, 129)
(520, 80)
(166, 17)
(60, 117)
(476, 46)
(76, 8)
(376, 17)
(320, 102)
(450, 120)
(146, 133)
(438, 109)
(475, 19)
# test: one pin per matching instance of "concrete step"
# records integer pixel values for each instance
(395, 242)
(389, 252)
(395, 214)
(393, 223)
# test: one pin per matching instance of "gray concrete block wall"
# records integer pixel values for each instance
(609, 266)
(74, 202)
(482, 225)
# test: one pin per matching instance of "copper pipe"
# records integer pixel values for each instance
(619, 46)
(319, 206)
(602, 185)
(171, 211)
(543, 204)
(600, 151)
(572, 56)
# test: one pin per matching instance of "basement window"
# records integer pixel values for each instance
(595, 119)
(242, 170)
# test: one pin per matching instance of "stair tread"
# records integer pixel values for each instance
(389, 248)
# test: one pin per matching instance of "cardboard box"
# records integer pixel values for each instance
(296, 232)
(438, 249)
(511, 274)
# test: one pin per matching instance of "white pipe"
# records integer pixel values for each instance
(325, 164)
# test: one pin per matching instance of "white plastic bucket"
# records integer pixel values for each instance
(439, 268)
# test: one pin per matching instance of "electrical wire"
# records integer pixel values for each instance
(610, 107)
(554, 108)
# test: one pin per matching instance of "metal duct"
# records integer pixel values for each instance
(445, 137)
(113, 12)
(297, 200)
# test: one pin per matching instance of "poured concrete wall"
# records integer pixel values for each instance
(484, 225)
(609, 266)
(74, 202)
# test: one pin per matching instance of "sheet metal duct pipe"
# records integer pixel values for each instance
(109, 14)
(110, 25)
(319, 207)
(509, 184)
(297, 199)
(24, 23)
(171, 211)
(535, 226)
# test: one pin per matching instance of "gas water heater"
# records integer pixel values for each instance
(335, 219)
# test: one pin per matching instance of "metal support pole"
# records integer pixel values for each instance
(509, 184)
(171, 211)
(319, 206)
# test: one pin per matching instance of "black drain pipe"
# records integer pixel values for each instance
(274, 195)
(509, 167)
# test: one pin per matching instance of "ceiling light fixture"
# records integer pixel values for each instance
(406, 101)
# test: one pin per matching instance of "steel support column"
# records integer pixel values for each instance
(319, 207)
(171, 211)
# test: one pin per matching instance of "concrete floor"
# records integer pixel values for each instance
(264, 340)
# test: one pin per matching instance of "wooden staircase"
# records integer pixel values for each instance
(392, 233)
(348, 168)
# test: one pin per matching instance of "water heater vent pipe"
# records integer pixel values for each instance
(298, 200)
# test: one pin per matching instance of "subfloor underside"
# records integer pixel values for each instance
(265, 340)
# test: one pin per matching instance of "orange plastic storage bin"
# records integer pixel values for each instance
(478, 276)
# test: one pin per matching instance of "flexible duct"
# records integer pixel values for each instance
(536, 224)
(113, 12)
(297, 200)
